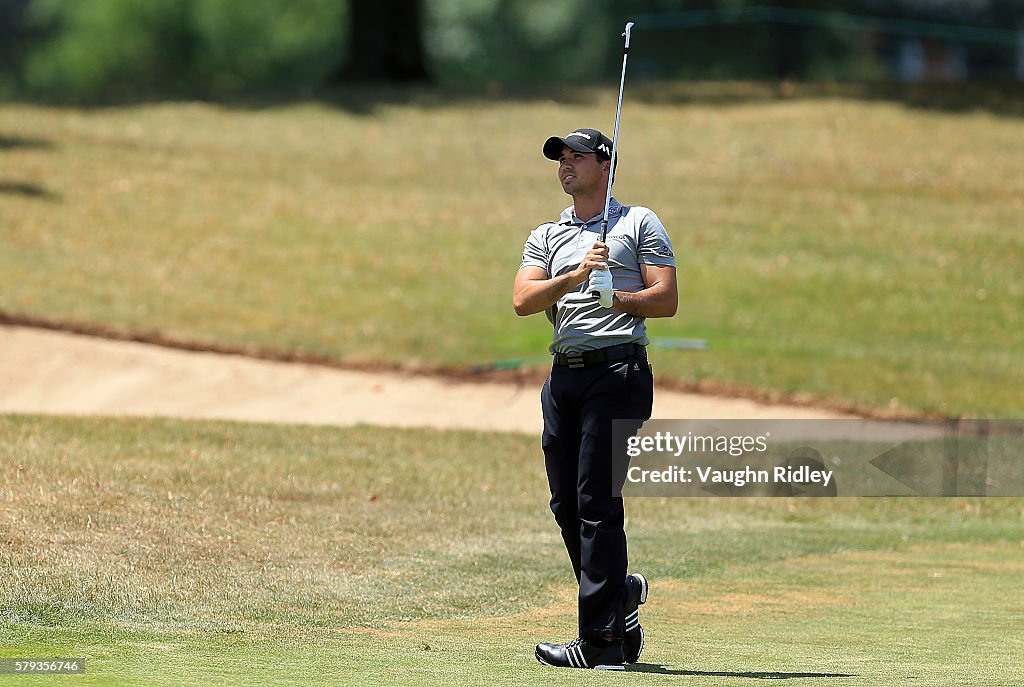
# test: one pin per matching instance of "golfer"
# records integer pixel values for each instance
(597, 295)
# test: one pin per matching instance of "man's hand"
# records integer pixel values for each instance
(596, 264)
(601, 284)
(595, 259)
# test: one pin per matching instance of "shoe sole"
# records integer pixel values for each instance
(613, 666)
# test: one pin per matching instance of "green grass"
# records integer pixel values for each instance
(857, 250)
(186, 553)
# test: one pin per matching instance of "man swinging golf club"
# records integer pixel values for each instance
(598, 276)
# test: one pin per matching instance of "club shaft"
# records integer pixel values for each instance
(615, 135)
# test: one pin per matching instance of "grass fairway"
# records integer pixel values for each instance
(851, 249)
(185, 553)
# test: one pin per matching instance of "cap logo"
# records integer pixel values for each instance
(579, 133)
(604, 149)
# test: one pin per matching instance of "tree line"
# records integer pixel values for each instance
(101, 49)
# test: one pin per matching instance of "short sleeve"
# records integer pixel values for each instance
(654, 246)
(535, 252)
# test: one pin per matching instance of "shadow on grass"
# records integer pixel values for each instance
(359, 99)
(21, 188)
(12, 142)
(1005, 98)
(752, 674)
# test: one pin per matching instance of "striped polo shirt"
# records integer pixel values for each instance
(635, 236)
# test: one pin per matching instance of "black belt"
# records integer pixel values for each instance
(600, 355)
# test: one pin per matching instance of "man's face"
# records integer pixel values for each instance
(580, 173)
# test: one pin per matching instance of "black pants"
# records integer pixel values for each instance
(579, 405)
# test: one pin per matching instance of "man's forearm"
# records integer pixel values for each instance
(651, 302)
(537, 295)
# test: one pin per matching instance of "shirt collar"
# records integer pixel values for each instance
(569, 214)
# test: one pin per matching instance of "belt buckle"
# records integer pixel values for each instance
(574, 359)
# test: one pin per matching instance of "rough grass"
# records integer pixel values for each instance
(188, 553)
(852, 249)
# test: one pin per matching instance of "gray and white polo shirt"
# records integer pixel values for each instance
(635, 236)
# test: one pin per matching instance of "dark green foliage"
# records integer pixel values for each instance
(103, 49)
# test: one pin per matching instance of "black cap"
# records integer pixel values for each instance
(580, 140)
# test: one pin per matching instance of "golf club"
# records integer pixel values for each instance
(615, 135)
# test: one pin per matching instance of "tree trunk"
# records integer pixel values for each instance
(385, 42)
